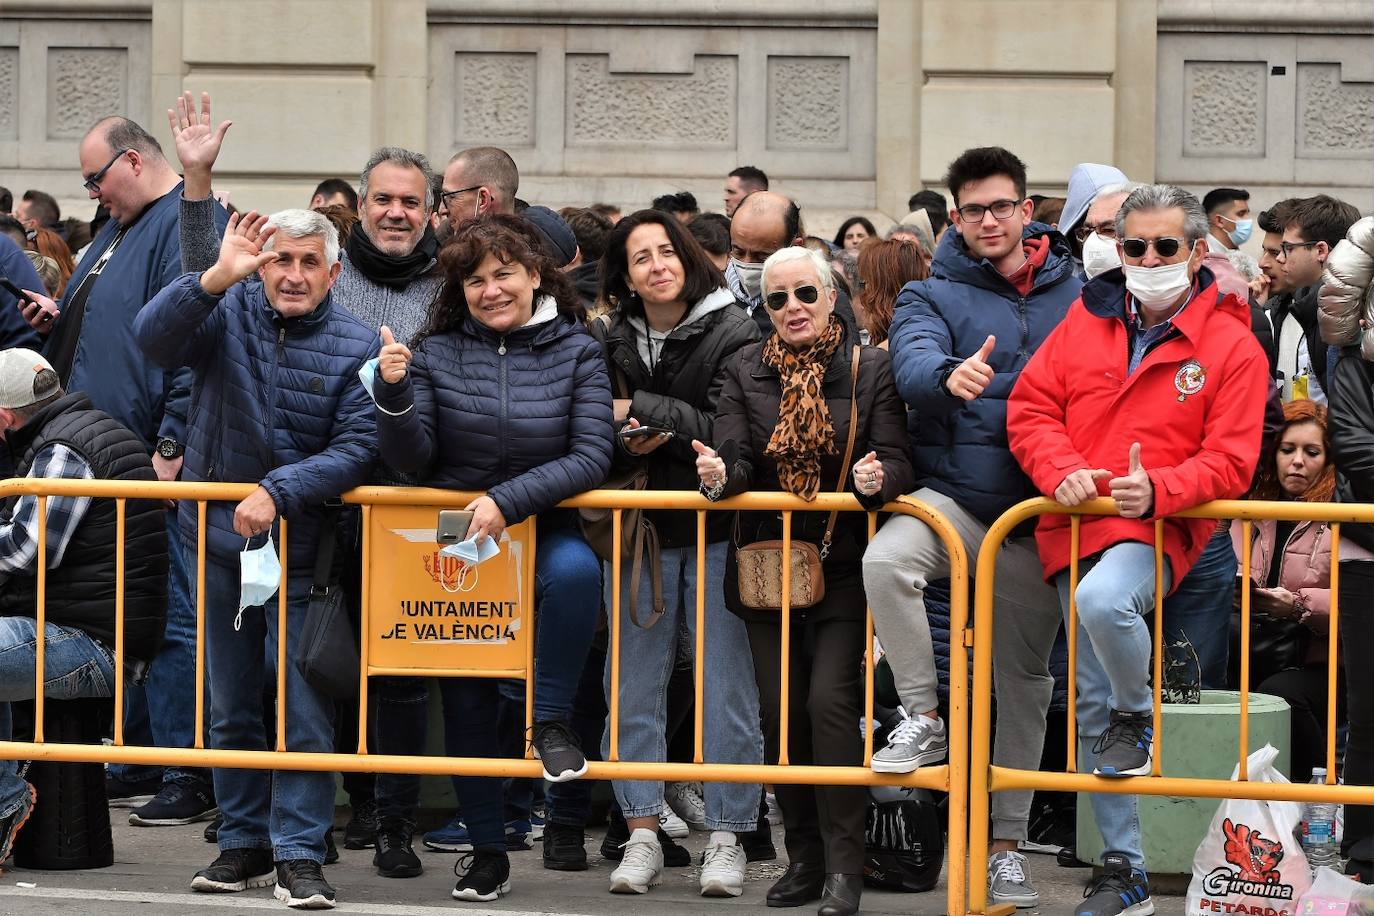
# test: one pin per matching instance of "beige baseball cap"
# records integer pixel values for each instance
(21, 381)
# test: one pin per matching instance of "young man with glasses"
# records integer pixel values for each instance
(999, 286)
(89, 342)
(1151, 391)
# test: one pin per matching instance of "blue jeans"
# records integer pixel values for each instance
(74, 666)
(1115, 589)
(570, 803)
(1200, 608)
(567, 592)
(469, 731)
(730, 720)
(286, 811)
(162, 711)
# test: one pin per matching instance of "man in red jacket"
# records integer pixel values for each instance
(1151, 391)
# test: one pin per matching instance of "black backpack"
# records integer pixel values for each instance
(904, 842)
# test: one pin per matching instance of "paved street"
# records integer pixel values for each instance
(153, 867)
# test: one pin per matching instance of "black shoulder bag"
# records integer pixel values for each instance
(327, 652)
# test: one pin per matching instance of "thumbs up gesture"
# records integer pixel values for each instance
(710, 466)
(868, 474)
(394, 358)
(971, 377)
(1134, 494)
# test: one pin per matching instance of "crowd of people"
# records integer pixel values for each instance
(434, 329)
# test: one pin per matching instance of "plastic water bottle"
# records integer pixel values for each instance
(1319, 830)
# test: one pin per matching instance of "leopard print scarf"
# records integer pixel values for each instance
(804, 431)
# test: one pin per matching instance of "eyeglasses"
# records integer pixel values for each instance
(778, 300)
(1287, 248)
(1105, 230)
(1166, 247)
(1001, 209)
(443, 198)
(93, 183)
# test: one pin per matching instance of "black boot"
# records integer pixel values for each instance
(842, 894)
(799, 885)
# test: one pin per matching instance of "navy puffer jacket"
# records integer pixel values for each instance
(274, 401)
(525, 417)
(960, 448)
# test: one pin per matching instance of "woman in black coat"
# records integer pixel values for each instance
(782, 423)
(505, 392)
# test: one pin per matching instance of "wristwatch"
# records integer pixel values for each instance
(170, 448)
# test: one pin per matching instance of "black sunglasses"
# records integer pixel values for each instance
(1166, 247)
(778, 300)
(92, 184)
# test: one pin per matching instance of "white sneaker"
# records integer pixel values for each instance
(722, 869)
(671, 824)
(914, 742)
(685, 798)
(642, 865)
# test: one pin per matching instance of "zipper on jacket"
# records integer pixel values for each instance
(505, 399)
(1025, 326)
(272, 397)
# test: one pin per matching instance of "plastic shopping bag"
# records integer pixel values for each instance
(1250, 862)
(1334, 894)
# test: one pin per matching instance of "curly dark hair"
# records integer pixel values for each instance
(514, 241)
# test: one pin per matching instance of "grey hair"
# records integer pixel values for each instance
(402, 157)
(1165, 197)
(1121, 187)
(798, 253)
(300, 224)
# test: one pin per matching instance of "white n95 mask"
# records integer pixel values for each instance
(1099, 255)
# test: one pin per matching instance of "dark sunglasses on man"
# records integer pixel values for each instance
(1165, 247)
(776, 301)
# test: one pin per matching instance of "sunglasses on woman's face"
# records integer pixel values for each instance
(776, 301)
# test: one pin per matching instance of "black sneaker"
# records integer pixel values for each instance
(9, 826)
(124, 793)
(395, 857)
(482, 876)
(758, 845)
(1124, 748)
(618, 834)
(564, 849)
(558, 749)
(361, 830)
(1123, 890)
(236, 870)
(211, 833)
(301, 885)
(331, 852)
(180, 801)
(1053, 827)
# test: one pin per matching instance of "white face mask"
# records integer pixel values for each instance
(259, 576)
(1157, 287)
(473, 551)
(750, 278)
(1099, 255)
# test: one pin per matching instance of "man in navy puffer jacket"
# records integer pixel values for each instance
(999, 285)
(276, 400)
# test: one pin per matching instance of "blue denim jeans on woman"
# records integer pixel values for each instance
(1115, 589)
(74, 666)
(731, 732)
(286, 811)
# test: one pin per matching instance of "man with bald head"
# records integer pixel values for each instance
(480, 180)
(764, 222)
(89, 342)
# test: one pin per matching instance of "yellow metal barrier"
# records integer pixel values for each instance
(951, 778)
(985, 778)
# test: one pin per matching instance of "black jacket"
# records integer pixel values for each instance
(746, 415)
(1303, 306)
(81, 590)
(1351, 424)
(678, 392)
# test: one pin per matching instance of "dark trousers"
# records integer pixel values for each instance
(822, 824)
(1357, 638)
(1304, 689)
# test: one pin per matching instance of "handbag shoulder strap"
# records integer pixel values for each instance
(616, 374)
(324, 554)
(848, 446)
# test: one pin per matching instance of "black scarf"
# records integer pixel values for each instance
(395, 271)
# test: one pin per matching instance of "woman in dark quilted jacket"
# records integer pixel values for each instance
(504, 393)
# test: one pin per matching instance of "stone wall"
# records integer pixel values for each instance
(849, 104)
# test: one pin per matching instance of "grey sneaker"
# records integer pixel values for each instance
(1007, 881)
(913, 743)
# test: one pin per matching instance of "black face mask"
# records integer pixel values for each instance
(395, 271)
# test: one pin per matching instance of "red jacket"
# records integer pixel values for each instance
(1195, 404)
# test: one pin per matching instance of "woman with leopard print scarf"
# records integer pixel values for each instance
(782, 422)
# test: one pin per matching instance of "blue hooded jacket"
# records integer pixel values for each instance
(14, 264)
(274, 401)
(960, 448)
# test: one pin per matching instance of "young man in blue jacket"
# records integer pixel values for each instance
(275, 400)
(999, 285)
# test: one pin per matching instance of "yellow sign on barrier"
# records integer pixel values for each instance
(433, 611)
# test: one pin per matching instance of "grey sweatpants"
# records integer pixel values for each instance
(904, 556)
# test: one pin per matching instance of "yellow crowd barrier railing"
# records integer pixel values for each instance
(951, 777)
(985, 778)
